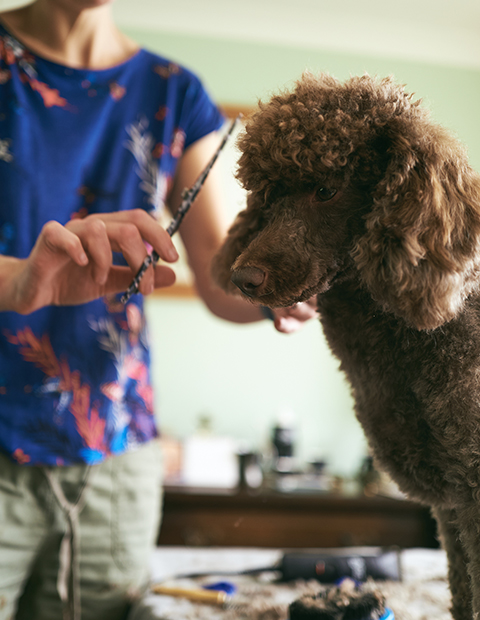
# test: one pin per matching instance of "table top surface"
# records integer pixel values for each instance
(422, 593)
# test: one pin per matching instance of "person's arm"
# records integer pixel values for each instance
(203, 231)
(204, 228)
(72, 264)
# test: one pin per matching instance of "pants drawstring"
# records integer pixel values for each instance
(68, 581)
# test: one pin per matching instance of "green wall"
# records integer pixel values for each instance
(239, 72)
(243, 375)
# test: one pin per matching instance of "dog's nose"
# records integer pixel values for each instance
(249, 280)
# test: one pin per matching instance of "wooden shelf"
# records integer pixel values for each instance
(281, 520)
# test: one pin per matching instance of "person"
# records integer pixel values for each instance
(97, 135)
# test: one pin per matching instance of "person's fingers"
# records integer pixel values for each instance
(54, 238)
(163, 276)
(125, 232)
(302, 311)
(155, 235)
(289, 320)
(93, 234)
(126, 237)
(120, 278)
(287, 325)
(149, 230)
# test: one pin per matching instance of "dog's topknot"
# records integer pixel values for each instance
(315, 129)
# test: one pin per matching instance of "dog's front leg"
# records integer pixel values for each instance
(458, 577)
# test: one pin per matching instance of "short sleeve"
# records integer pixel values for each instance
(200, 114)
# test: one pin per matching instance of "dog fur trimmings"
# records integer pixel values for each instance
(356, 196)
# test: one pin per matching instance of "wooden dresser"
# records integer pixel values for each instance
(201, 517)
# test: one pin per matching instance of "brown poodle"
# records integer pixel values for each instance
(357, 197)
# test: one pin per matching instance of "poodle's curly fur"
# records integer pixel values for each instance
(356, 196)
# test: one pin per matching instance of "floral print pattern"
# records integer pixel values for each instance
(4, 151)
(154, 182)
(75, 382)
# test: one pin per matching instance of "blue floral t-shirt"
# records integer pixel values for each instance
(75, 381)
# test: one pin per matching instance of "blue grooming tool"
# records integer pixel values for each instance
(227, 587)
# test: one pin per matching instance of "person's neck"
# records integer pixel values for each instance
(86, 39)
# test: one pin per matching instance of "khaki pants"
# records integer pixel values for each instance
(118, 525)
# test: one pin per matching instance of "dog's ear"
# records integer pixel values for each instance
(245, 227)
(420, 254)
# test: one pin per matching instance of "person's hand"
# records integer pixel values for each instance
(288, 320)
(72, 264)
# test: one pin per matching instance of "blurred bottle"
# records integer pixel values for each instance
(283, 441)
(251, 471)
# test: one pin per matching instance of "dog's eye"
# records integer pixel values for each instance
(325, 193)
